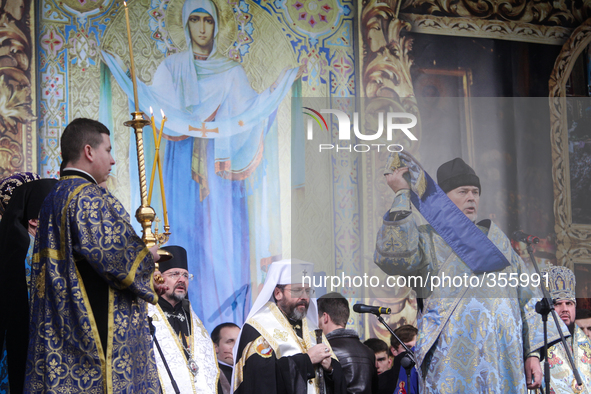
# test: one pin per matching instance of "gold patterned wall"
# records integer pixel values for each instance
(264, 39)
(18, 144)
(386, 56)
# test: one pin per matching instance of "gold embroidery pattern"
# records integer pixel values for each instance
(285, 324)
(466, 329)
(68, 353)
(266, 335)
(562, 379)
(259, 346)
(421, 184)
(203, 353)
(40, 283)
(280, 335)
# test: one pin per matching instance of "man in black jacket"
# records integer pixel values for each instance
(357, 360)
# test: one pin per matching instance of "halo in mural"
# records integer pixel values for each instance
(313, 16)
(269, 52)
(227, 29)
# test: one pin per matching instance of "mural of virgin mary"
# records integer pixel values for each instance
(220, 163)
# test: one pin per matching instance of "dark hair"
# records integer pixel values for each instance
(79, 133)
(583, 314)
(406, 333)
(377, 345)
(216, 333)
(336, 306)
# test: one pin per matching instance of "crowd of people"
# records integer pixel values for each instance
(84, 314)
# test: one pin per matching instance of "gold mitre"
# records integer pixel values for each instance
(560, 283)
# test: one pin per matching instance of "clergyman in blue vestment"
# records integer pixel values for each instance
(91, 279)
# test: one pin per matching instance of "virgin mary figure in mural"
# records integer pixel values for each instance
(220, 162)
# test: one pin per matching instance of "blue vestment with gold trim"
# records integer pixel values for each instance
(471, 338)
(84, 228)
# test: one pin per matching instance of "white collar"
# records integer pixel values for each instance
(78, 169)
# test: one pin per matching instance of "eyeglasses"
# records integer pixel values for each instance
(299, 291)
(176, 275)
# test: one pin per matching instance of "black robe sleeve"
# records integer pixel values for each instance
(24, 204)
(290, 374)
(335, 381)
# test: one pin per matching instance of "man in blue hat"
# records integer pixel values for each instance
(185, 345)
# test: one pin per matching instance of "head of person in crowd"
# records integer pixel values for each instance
(291, 294)
(384, 358)
(176, 275)
(561, 286)
(408, 336)
(459, 181)
(86, 146)
(224, 338)
(8, 184)
(333, 312)
(583, 320)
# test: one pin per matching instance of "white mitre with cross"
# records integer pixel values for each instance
(285, 272)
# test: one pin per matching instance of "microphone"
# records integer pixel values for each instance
(525, 238)
(376, 310)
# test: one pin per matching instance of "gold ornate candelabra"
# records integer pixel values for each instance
(145, 214)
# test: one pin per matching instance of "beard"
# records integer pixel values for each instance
(290, 309)
(178, 297)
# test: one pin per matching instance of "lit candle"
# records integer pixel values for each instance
(131, 58)
(165, 211)
(156, 159)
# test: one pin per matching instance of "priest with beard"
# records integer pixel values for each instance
(278, 350)
(184, 352)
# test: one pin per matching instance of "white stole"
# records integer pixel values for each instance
(203, 352)
(272, 324)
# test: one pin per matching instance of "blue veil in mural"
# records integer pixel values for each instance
(220, 168)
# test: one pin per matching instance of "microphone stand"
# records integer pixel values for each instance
(408, 360)
(153, 333)
(544, 307)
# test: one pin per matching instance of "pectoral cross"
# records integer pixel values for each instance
(203, 130)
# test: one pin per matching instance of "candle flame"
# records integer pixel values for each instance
(151, 112)
(125, 4)
(162, 112)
